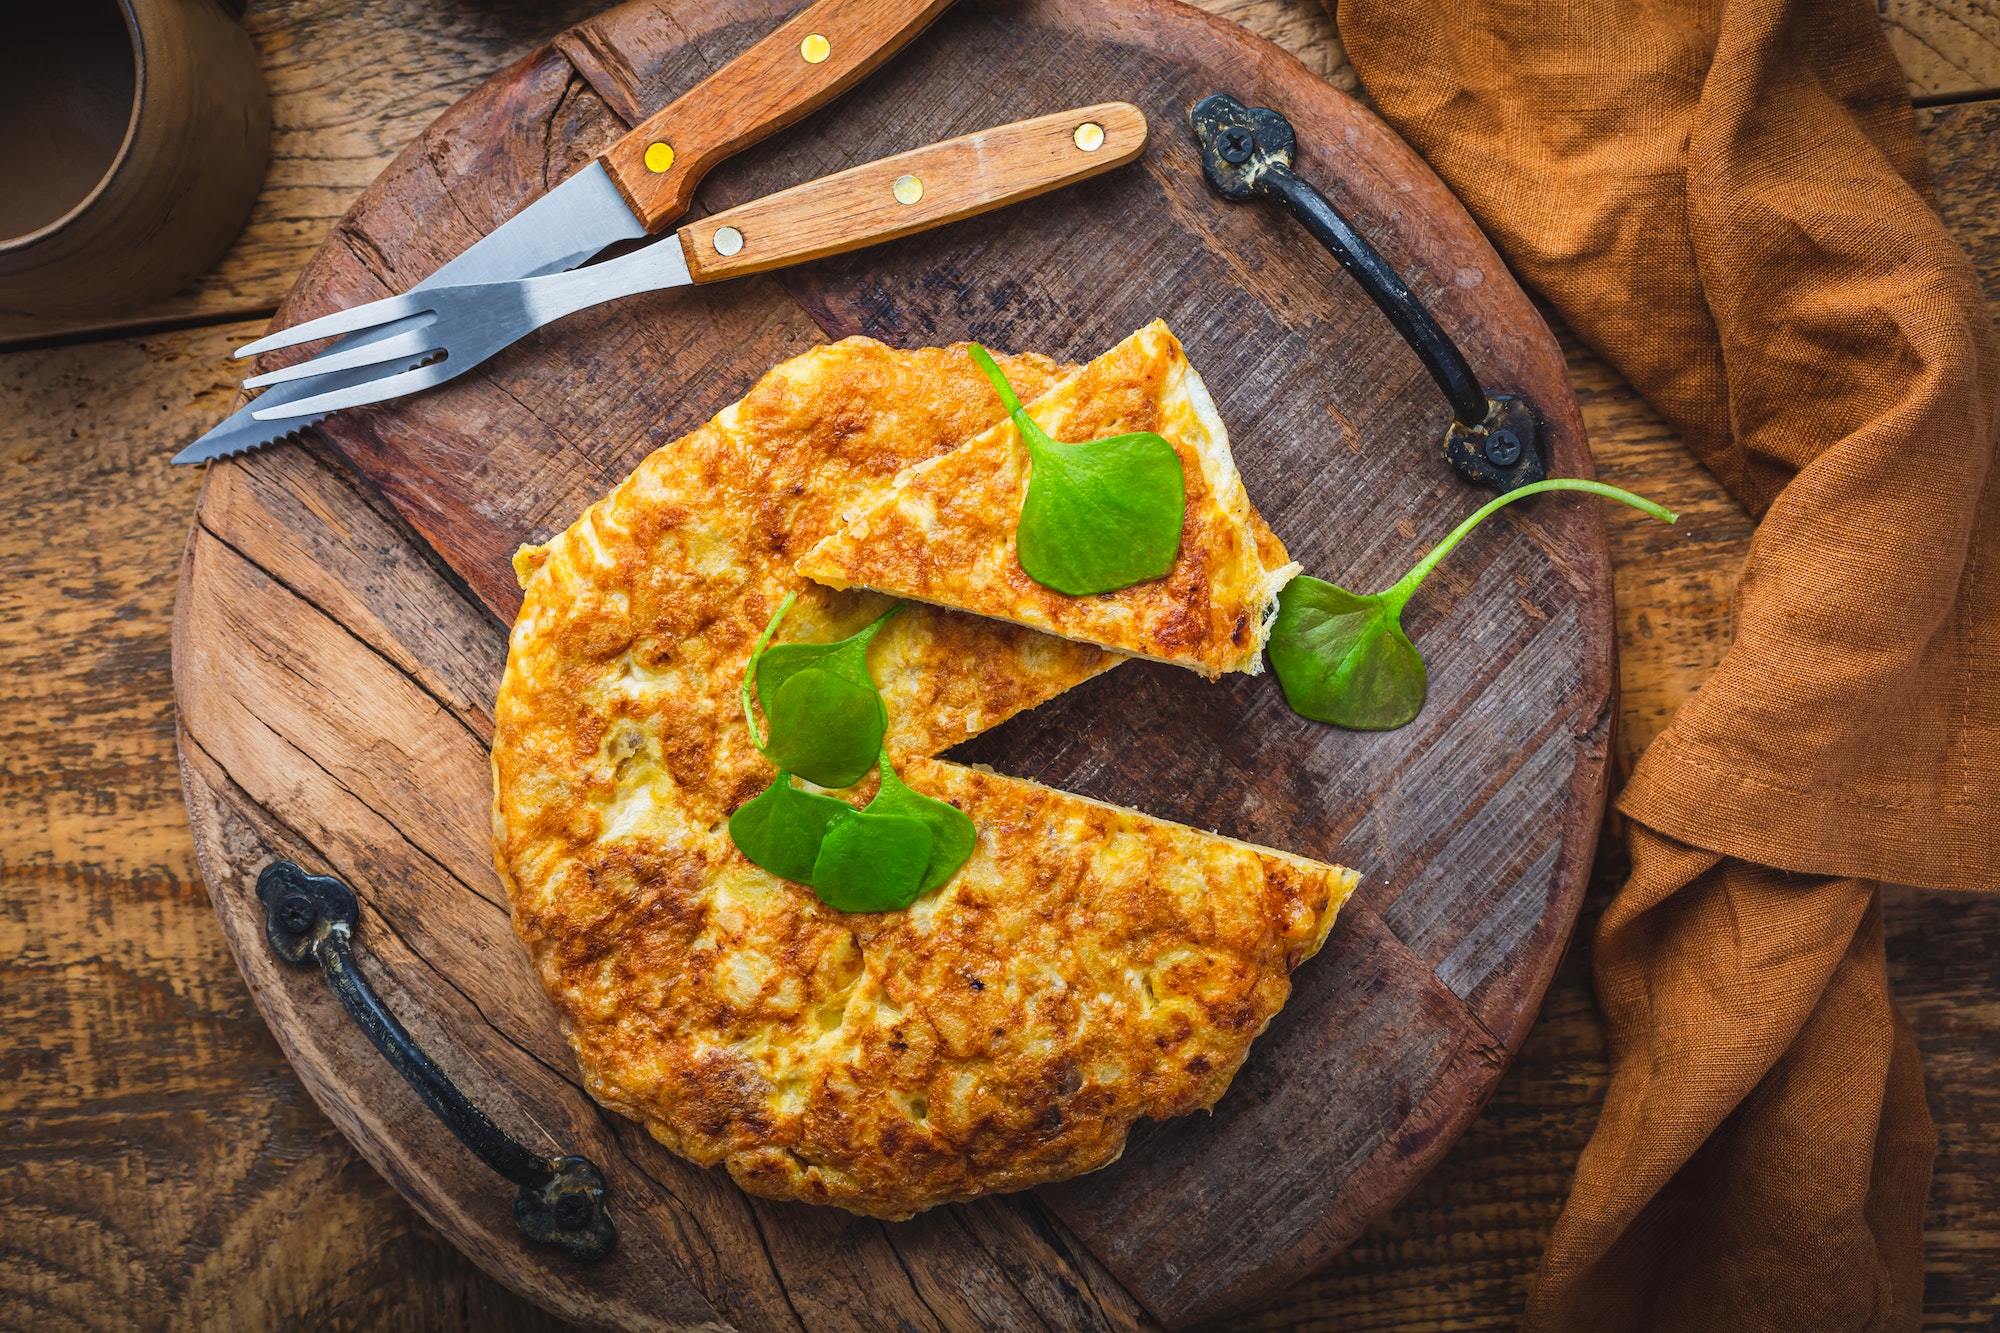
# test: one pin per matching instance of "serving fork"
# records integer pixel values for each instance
(441, 332)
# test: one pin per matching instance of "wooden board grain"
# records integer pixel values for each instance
(330, 693)
(161, 1166)
(1949, 49)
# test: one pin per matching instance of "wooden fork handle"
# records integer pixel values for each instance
(816, 55)
(914, 191)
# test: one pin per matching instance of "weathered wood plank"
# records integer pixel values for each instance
(1948, 48)
(1474, 840)
(162, 1164)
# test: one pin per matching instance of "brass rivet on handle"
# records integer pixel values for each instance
(908, 189)
(815, 49)
(728, 241)
(1089, 136)
(659, 156)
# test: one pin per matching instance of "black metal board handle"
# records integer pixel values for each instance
(1248, 153)
(311, 919)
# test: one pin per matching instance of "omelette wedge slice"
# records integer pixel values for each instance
(943, 531)
(1088, 967)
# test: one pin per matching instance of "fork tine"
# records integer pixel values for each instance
(385, 311)
(414, 345)
(370, 391)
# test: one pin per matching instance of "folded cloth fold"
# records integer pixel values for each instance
(1728, 200)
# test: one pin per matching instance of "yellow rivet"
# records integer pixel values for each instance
(659, 157)
(908, 189)
(728, 241)
(1089, 136)
(815, 49)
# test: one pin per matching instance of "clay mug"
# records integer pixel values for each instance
(137, 137)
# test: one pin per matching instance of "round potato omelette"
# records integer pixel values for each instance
(1086, 967)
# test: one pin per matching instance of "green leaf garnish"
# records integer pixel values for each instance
(952, 833)
(827, 718)
(1098, 516)
(872, 862)
(1342, 657)
(846, 657)
(781, 828)
(872, 866)
(825, 728)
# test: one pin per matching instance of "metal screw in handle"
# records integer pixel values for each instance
(310, 919)
(1247, 153)
(297, 914)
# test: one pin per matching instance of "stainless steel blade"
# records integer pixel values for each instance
(470, 323)
(560, 230)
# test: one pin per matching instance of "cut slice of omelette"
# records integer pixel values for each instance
(1088, 966)
(943, 533)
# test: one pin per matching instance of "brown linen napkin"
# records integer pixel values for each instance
(1728, 200)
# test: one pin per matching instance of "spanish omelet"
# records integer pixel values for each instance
(943, 532)
(1086, 967)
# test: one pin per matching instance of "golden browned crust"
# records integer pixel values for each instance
(1088, 966)
(944, 533)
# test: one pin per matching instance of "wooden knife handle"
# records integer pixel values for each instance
(815, 56)
(914, 191)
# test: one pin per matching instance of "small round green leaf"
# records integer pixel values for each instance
(872, 862)
(1098, 516)
(781, 828)
(1102, 515)
(825, 728)
(952, 833)
(846, 657)
(1343, 658)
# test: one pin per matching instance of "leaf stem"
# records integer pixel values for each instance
(874, 627)
(750, 667)
(1406, 586)
(1031, 430)
(991, 369)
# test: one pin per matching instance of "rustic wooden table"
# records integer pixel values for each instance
(160, 1163)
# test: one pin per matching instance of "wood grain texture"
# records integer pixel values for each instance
(770, 86)
(160, 1163)
(1474, 839)
(956, 179)
(350, 85)
(1949, 49)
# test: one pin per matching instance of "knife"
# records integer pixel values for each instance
(449, 330)
(641, 182)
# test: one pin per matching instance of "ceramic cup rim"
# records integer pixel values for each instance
(11, 244)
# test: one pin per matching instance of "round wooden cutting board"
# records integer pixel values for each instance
(340, 634)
